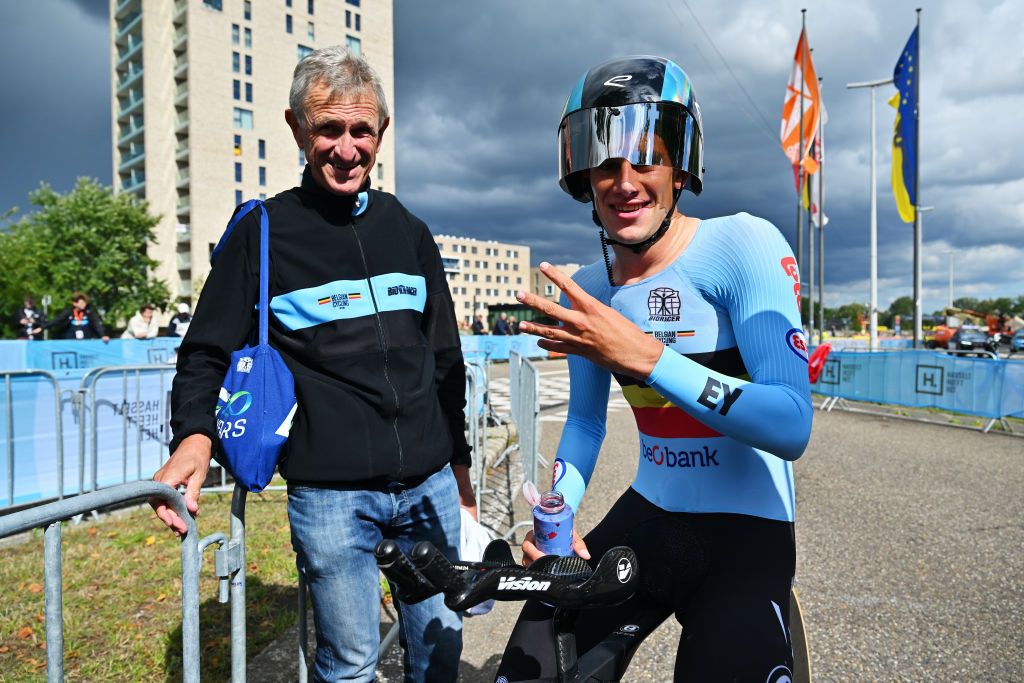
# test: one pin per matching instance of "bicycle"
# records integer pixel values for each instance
(569, 584)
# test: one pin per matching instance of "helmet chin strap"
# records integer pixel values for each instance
(638, 247)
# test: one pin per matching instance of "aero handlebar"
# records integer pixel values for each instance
(558, 581)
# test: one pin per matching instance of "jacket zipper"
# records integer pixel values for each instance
(383, 346)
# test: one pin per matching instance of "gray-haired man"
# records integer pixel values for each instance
(363, 317)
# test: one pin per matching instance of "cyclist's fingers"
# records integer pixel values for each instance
(530, 551)
(579, 546)
(547, 307)
(576, 294)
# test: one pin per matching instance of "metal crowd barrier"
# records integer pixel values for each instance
(9, 377)
(50, 516)
(524, 399)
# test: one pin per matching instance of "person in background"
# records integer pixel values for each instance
(142, 325)
(29, 321)
(478, 325)
(501, 325)
(513, 325)
(180, 322)
(78, 322)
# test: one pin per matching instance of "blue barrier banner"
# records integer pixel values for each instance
(1013, 390)
(924, 379)
(73, 358)
(843, 343)
(497, 347)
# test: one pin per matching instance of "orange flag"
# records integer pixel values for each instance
(803, 85)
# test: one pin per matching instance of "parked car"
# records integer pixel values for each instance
(1017, 342)
(972, 340)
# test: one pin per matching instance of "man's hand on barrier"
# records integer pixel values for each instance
(590, 329)
(188, 465)
(467, 498)
(531, 552)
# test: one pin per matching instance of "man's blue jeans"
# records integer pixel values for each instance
(334, 533)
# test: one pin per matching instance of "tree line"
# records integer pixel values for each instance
(88, 240)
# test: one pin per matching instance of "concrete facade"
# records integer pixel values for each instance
(199, 93)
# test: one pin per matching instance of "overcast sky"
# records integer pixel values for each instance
(480, 87)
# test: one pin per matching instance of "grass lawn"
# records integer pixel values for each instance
(122, 595)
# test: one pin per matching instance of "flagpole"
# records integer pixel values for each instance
(821, 212)
(917, 190)
(799, 166)
(873, 230)
(810, 254)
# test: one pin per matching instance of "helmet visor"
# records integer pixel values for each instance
(644, 134)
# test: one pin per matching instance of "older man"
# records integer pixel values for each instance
(363, 317)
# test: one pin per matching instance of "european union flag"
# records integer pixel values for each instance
(905, 77)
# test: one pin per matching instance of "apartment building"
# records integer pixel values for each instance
(542, 286)
(482, 273)
(199, 93)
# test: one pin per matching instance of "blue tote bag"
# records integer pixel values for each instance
(257, 403)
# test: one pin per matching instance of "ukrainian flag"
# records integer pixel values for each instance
(904, 138)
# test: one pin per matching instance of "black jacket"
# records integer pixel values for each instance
(88, 325)
(380, 384)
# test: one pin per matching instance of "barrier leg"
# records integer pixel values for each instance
(54, 604)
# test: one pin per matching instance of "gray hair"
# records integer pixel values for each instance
(342, 72)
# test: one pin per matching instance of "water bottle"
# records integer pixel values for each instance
(552, 524)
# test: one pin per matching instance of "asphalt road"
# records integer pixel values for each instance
(910, 541)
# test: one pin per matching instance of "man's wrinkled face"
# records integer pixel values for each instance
(340, 136)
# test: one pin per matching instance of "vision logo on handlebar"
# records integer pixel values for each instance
(526, 583)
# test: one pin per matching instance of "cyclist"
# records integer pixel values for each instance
(698, 322)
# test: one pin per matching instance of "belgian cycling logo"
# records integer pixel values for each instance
(557, 471)
(624, 570)
(339, 300)
(668, 337)
(796, 343)
(244, 365)
(234, 404)
(401, 289)
(780, 674)
(663, 305)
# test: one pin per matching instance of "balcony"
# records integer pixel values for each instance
(184, 260)
(123, 5)
(183, 232)
(130, 133)
(180, 38)
(131, 160)
(181, 122)
(451, 265)
(129, 50)
(179, 8)
(184, 205)
(181, 93)
(181, 151)
(127, 23)
(130, 76)
(129, 105)
(185, 288)
(183, 178)
(135, 184)
(181, 65)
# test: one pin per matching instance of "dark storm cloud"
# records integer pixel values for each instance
(478, 106)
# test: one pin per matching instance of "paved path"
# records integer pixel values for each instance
(910, 551)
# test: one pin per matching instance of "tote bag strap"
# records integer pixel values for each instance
(264, 274)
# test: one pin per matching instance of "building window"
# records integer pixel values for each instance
(263, 149)
(213, 4)
(234, 34)
(247, 9)
(348, 19)
(248, 92)
(238, 145)
(519, 280)
(263, 175)
(354, 3)
(380, 171)
(515, 266)
(236, 89)
(238, 171)
(472, 250)
(243, 118)
(309, 6)
(359, 26)
(310, 31)
(248, 37)
(288, 23)
(303, 50)
(248, 65)
(238, 197)
(263, 195)
(236, 61)
(353, 45)
(287, 3)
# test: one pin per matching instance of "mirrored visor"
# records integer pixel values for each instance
(644, 133)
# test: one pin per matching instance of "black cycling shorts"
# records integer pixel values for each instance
(725, 577)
